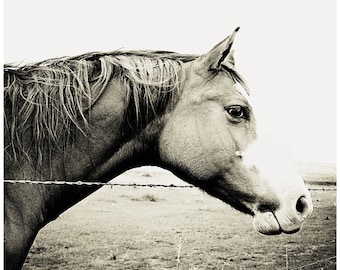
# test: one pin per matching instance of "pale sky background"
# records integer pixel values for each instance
(286, 50)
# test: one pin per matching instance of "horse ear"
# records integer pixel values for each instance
(221, 54)
(229, 61)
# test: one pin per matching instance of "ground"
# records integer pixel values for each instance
(181, 228)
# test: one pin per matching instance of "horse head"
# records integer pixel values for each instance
(210, 140)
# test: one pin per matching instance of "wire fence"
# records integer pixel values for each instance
(112, 184)
(82, 183)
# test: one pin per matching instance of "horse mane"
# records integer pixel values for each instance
(53, 98)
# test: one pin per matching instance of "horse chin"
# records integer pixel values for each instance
(268, 224)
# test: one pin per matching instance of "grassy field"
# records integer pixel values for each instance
(175, 228)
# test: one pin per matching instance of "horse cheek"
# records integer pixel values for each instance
(189, 146)
(177, 147)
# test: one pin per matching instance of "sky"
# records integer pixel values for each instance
(285, 50)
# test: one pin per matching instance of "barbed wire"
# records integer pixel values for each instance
(82, 183)
(323, 189)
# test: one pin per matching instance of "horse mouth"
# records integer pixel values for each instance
(267, 223)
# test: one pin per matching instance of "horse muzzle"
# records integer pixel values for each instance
(289, 218)
(286, 203)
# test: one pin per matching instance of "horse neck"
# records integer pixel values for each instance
(124, 128)
(130, 130)
(123, 122)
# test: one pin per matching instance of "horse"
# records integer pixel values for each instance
(93, 116)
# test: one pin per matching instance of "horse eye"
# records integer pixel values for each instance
(237, 111)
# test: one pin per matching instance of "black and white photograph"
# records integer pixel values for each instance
(185, 135)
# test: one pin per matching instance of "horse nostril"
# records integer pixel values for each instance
(301, 205)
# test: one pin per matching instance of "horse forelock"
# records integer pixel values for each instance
(53, 98)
